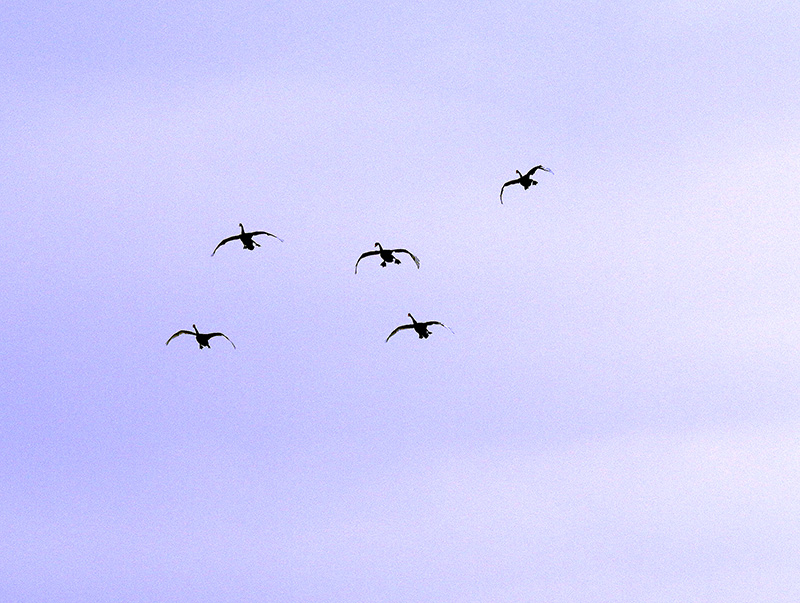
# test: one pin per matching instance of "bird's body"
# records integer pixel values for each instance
(246, 238)
(203, 339)
(387, 256)
(524, 179)
(421, 328)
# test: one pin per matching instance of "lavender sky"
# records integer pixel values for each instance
(616, 416)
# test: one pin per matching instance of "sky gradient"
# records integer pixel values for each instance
(614, 418)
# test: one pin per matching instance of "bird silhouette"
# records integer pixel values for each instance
(420, 327)
(525, 180)
(387, 255)
(202, 338)
(246, 238)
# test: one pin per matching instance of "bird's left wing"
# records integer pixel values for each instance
(264, 232)
(210, 335)
(436, 322)
(413, 257)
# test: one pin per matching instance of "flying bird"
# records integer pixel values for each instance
(420, 327)
(246, 238)
(387, 255)
(202, 338)
(525, 180)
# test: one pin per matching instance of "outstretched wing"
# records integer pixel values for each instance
(515, 181)
(210, 335)
(363, 255)
(400, 328)
(182, 332)
(436, 322)
(413, 257)
(223, 241)
(264, 232)
(539, 167)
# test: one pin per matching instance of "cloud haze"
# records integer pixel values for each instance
(614, 417)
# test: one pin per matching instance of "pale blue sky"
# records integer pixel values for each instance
(615, 417)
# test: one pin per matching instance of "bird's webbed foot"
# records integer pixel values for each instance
(396, 261)
(383, 264)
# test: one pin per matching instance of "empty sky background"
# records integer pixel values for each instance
(615, 418)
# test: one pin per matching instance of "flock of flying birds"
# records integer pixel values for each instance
(387, 256)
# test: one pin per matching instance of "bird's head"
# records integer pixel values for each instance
(195, 328)
(378, 245)
(241, 226)
(411, 317)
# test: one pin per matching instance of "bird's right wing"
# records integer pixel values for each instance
(183, 332)
(400, 328)
(223, 241)
(363, 255)
(515, 181)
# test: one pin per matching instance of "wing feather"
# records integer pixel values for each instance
(400, 328)
(181, 332)
(223, 241)
(515, 181)
(363, 255)
(264, 232)
(539, 167)
(210, 335)
(413, 257)
(436, 322)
